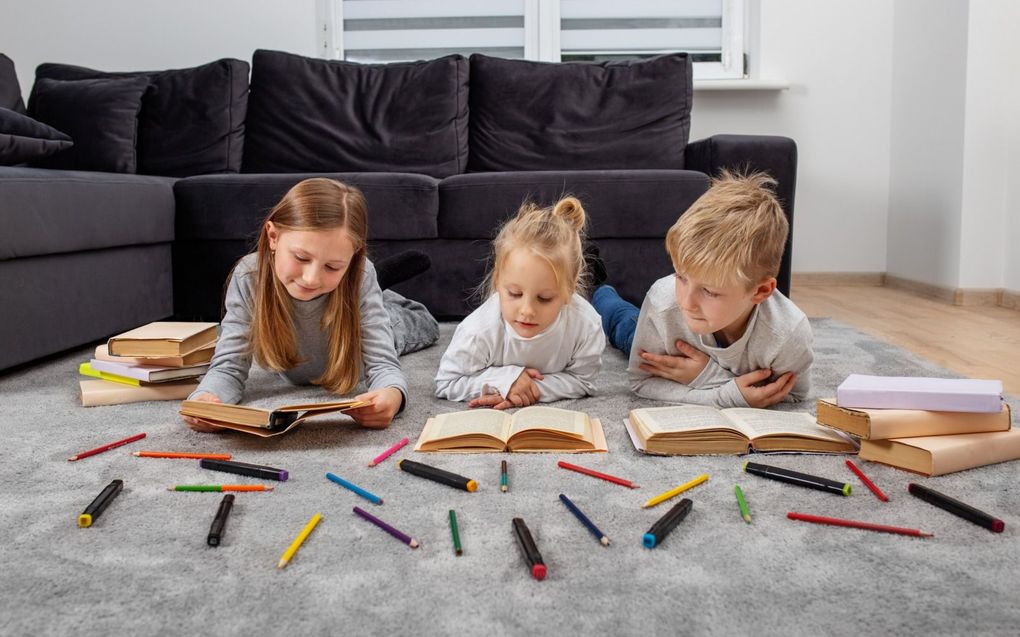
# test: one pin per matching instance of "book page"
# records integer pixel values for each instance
(658, 420)
(573, 423)
(489, 422)
(765, 422)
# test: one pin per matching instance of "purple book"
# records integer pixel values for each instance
(915, 392)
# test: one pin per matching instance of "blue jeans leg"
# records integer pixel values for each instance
(619, 317)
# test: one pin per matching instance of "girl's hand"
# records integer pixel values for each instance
(383, 406)
(522, 393)
(682, 369)
(198, 425)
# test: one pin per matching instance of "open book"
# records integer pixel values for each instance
(691, 430)
(534, 429)
(259, 421)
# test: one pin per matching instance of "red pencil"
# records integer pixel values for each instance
(112, 445)
(868, 483)
(596, 474)
(868, 526)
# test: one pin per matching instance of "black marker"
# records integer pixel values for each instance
(220, 521)
(797, 478)
(665, 525)
(527, 544)
(957, 508)
(244, 469)
(437, 475)
(97, 506)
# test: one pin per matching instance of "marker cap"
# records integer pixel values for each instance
(84, 520)
(846, 489)
(472, 486)
(648, 540)
(538, 571)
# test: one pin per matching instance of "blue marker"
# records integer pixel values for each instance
(374, 499)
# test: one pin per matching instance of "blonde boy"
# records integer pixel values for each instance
(717, 332)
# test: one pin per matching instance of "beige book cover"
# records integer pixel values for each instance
(103, 392)
(259, 421)
(880, 424)
(939, 455)
(162, 338)
(201, 355)
(692, 430)
(536, 429)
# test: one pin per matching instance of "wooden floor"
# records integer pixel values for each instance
(979, 342)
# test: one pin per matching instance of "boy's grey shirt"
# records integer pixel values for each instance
(777, 337)
(229, 367)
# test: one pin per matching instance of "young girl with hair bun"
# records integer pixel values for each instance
(307, 304)
(534, 339)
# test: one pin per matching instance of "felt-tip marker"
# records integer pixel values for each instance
(97, 506)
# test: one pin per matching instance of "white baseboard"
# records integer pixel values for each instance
(987, 297)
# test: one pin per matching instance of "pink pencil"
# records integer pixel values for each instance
(389, 452)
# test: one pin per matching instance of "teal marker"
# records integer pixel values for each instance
(355, 488)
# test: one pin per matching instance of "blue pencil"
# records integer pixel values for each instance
(355, 488)
(599, 535)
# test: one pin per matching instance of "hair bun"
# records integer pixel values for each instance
(571, 210)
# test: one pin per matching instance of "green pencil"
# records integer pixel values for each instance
(456, 535)
(744, 513)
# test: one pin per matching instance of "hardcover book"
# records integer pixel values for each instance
(148, 373)
(201, 355)
(692, 430)
(878, 424)
(162, 338)
(259, 421)
(532, 429)
(101, 392)
(939, 455)
(932, 394)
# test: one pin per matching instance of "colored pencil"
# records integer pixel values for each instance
(298, 541)
(854, 524)
(596, 474)
(503, 485)
(455, 533)
(599, 535)
(374, 499)
(403, 537)
(672, 493)
(389, 452)
(957, 508)
(175, 454)
(216, 488)
(867, 482)
(742, 503)
(106, 447)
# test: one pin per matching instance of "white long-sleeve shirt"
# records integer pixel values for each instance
(777, 337)
(486, 355)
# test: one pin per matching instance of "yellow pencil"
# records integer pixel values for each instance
(662, 497)
(296, 544)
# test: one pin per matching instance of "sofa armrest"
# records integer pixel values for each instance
(751, 153)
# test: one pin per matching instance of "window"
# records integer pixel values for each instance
(712, 31)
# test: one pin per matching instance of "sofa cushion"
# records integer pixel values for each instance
(578, 115)
(10, 89)
(232, 207)
(50, 211)
(22, 139)
(100, 115)
(619, 203)
(313, 115)
(192, 120)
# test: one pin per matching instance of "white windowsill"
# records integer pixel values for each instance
(741, 85)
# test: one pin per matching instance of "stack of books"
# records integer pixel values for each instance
(931, 426)
(158, 361)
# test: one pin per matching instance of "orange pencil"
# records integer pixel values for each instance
(219, 487)
(174, 454)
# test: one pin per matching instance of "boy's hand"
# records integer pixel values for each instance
(198, 425)
(383, 406)
(522, 393)
(681, 369)
(760, 396)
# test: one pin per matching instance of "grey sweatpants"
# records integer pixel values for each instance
(413, 327)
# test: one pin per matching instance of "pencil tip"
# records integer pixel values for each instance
(503, 489)
(270, 488)
(747, 518)
(604, 540)
(413, 543)
(134, 453)
(923, 534)
(380, 501)
(371, 464)
(459, 552)
(72, 458)
(281, 564)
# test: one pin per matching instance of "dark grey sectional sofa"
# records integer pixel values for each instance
(444, 151)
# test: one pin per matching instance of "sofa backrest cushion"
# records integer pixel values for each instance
(100, 115)
(313, 115)
(578, 115)
(22, 139)
(10, 90)
(192, 120)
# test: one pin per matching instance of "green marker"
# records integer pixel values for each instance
(744, 513)
(797, 478)
(456, 535)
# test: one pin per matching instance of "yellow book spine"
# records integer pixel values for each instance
(85, 369)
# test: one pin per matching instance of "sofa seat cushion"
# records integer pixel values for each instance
(22, 139)
(578, 115)
(50, 211)
(619, 203)
(232, 207)
(314, 115)
(192, 120)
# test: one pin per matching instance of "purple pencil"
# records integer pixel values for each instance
(403, 537)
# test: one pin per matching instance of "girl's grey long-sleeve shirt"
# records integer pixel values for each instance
(231, 362)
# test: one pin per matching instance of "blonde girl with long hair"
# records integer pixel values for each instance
(534, 339)
(307, 305)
